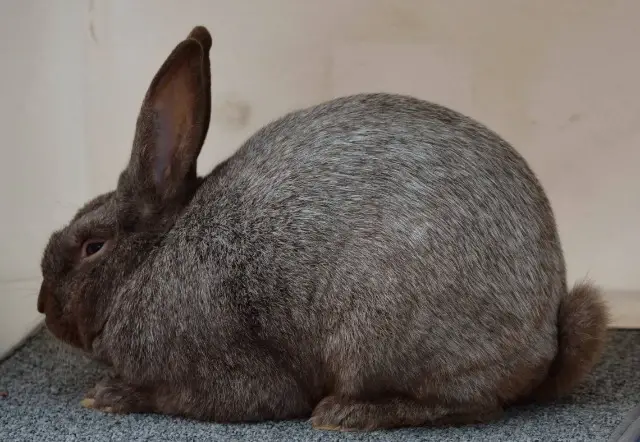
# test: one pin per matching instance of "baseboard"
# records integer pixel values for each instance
(625, 308)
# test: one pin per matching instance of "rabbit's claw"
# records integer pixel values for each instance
(112, 395)
(91, 403)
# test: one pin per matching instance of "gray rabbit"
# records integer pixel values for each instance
(371, 262)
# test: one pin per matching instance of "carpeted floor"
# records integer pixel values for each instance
(42, 383)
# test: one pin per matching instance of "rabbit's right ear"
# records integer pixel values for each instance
(173, 124)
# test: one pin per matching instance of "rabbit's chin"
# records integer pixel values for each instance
(64, 331)
(70, 339)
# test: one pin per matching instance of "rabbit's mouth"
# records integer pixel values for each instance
(61, 327)
(58, 323)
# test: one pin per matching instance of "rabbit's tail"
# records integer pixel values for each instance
(582, 326)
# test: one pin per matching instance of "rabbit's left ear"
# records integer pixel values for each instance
(173, 122)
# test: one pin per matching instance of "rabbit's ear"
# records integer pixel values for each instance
(202, 36)
(173, 122)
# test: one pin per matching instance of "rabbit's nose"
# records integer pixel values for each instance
(42, 297)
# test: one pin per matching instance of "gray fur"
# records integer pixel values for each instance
(373, 249)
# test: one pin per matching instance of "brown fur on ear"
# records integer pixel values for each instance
(172, 124)
(176, 104)
(202, 36)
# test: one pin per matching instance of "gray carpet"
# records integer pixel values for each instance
(42, 383)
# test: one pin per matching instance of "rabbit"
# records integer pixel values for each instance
(374, 261)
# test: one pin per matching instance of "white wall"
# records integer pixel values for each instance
(43, 150)
(557, 79)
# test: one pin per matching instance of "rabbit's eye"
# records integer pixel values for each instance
(92, 247)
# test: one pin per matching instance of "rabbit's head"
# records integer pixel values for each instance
(85, 263)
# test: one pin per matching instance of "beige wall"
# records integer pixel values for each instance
(556, 78)
(42, 147)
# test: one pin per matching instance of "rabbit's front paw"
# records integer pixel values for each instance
(113, 395)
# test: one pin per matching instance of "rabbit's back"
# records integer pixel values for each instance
(390, 228)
